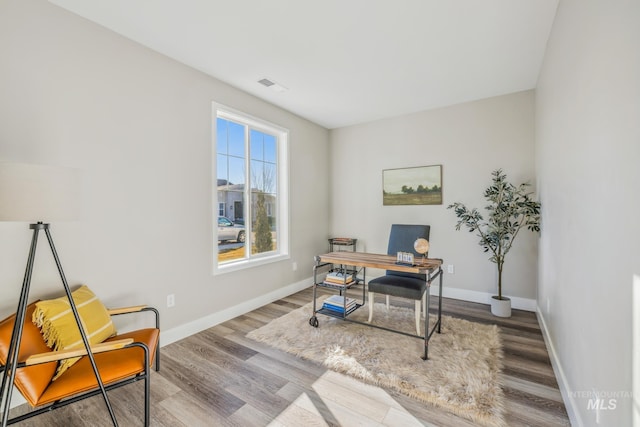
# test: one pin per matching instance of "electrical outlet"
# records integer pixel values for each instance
(451, 269)
(171, 300)
(294, 266)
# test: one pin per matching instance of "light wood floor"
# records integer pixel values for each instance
(220, 378)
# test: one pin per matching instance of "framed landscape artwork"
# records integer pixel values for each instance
(412, 186)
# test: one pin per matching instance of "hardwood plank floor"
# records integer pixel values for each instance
(219, 377)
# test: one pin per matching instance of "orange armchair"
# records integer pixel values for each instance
(121, 360)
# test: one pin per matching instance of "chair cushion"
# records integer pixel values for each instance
(60, 330)
(113, 366)
(399, 286)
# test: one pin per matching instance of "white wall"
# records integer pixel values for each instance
(470, 141)
(588, 158)
(138, 124)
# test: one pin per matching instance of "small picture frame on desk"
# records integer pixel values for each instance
(404, 258)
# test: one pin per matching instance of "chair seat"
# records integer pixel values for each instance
(113, 366)
(399, 286)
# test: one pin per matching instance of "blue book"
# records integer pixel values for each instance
(338, 310)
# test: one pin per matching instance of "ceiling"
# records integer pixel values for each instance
(344, 61)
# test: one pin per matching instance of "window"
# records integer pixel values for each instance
(252, 185)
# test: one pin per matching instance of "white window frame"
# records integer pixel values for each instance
(282, 190)
(221, 209)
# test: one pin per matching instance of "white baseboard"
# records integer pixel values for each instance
(569, 402)
(527, 304)
(183, 331)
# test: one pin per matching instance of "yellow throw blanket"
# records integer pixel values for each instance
(60, 330)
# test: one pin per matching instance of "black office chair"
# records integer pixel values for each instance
(399, 284)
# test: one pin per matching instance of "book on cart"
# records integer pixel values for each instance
(339, 278)
(339, 312)
(337, 303)
(341, 283)
(346, 241)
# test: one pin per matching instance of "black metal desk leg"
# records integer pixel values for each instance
(440, 303)
(426, 321)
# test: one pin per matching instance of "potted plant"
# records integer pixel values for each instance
(510, 209)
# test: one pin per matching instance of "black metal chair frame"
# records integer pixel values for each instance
(142, 376)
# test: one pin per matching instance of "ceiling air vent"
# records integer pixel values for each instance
(276, 87)
(266, 82)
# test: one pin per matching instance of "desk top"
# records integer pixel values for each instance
(385, 262)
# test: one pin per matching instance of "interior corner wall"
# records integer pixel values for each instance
(138, 125)
(470, 141)
(588, 158)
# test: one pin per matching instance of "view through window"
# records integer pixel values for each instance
(250, 202)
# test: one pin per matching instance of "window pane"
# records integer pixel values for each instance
(236, 171)
(236, 140)
(263, 177)
(222, 173)
(257, 145)
(232, 235)
(263, 224)
(221, 136)
(271, 205)
(270, 153)
(270, 180)
(257, 176)
(231, 232)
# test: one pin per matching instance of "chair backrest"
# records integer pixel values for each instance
(401, 239)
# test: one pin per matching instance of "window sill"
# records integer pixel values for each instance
(247, 263)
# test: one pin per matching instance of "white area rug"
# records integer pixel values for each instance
(461, 375)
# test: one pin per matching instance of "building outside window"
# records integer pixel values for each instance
(251, 190)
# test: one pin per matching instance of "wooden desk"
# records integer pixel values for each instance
(430, 267)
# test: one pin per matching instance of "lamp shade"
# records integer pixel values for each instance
(32, 193)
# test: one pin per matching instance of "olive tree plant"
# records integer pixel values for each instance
(509, 210)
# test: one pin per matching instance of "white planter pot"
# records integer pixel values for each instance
(500, 307)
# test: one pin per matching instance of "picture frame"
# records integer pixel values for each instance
(405, 258)
(421, 185)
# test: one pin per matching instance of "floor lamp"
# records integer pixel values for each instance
(35, 194)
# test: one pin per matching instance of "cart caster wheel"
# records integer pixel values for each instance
(313, 321)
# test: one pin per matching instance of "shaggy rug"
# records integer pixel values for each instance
(461, 375)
